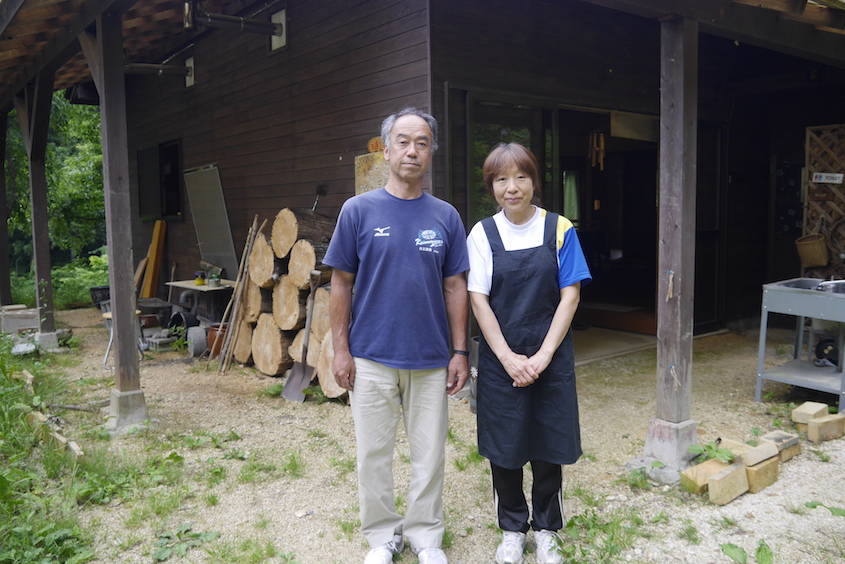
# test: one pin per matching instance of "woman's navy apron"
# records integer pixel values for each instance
(540, 421)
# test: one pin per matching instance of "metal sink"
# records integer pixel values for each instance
(806, 297)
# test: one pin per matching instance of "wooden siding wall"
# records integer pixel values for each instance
(278, 124)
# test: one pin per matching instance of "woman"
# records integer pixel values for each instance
(526, 271)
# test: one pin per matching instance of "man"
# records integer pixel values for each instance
(400, 346)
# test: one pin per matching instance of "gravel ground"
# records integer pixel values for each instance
(312, 519)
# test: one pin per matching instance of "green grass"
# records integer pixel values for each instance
(348, 527)
(344, 465)
(247, 551)
(689, 533)
(37, 523)
(600, 536)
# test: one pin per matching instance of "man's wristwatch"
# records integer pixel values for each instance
(460, 352)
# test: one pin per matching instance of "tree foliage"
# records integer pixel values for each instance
(74, 162)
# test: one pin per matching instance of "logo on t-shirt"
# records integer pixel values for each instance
(429, 240)
(380, 231)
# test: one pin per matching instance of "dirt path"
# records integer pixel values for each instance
(314, 517)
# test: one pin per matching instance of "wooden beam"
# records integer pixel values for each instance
(105, 53)
(8, 10)
(749, 24)
(798, 10)
(64, 44)
(794, 7)
(33, 109)
(5, 267)
(676, 245)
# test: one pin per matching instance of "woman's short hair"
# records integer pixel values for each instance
(506, 155)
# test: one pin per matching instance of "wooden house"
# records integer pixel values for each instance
(675, 133)
(275, 117)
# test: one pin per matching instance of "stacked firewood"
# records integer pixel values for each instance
(269, 319)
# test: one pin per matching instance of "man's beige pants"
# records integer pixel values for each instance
(380, 396)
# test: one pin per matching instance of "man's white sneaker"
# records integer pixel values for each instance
(431, 556)
(384, 554)
(511, 548)
(547, 543)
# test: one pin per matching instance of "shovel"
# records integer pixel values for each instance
(301, 373)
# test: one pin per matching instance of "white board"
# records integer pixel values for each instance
(211, 221)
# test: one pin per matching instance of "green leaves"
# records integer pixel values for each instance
(763, 555)
(712, 450)
(180, 542)
(837, 511)
(76, 206)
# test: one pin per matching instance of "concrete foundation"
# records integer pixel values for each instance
(48, 342)
(667, 443)
(125, 410)
(14, 319)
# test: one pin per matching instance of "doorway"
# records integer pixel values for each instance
(600, 169)
(615, 213)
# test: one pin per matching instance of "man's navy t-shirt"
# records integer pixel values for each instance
(400, 251)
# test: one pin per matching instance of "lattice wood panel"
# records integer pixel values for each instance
(824, 209)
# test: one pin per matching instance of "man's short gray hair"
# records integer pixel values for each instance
(390, 121)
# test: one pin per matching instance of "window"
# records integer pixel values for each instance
(160, 182)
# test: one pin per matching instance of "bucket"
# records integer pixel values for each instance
(216, 338)
(812, 249)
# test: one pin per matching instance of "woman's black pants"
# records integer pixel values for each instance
(546, 498)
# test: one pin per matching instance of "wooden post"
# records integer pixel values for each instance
(5, 267)
(33, 109)
(671, 432)
(676, 266)
(104, 54)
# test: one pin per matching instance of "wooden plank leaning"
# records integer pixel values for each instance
(232, 307)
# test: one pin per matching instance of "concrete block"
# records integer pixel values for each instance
(808, 410)
(782, 439)
(789, 444)
(694, 479)
(737, 448)
(790, 452)
(669, 442)
(763, 475)
(802, 427)
(161, 343)
(826, 428)
(59, 441)
(75, 451)
(16, 320)
(764, 451)
(728, 484)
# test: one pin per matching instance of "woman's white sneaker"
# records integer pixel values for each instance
(547, 543)
(511, 548)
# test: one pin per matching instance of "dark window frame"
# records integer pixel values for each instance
(160, 183)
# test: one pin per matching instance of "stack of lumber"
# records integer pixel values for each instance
(269, 320)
